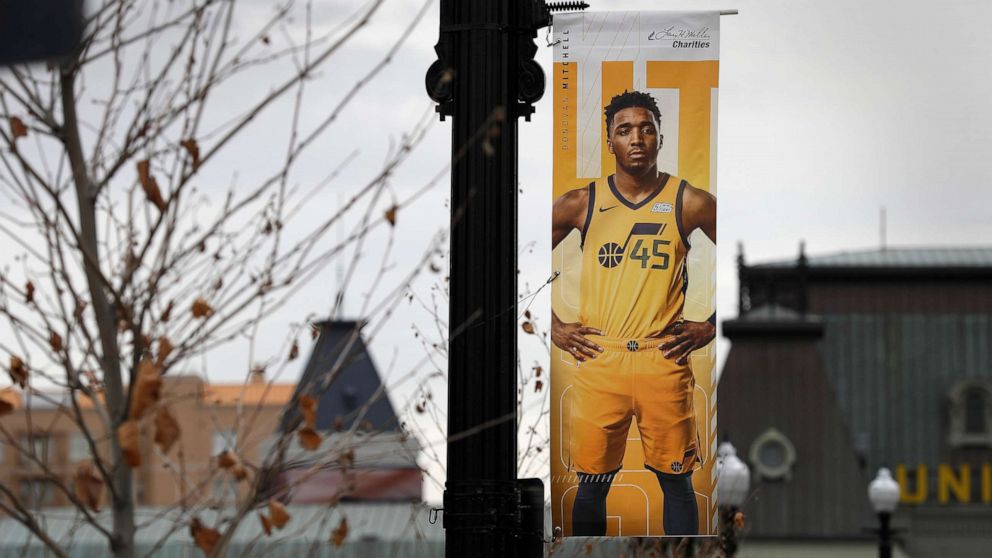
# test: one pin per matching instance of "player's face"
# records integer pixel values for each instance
(635, 140)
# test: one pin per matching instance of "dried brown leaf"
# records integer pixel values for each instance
(204, 537)
(308, 408)
(88, 485)
(147, 389)
(527, 314)
(193, 149)
(164, 350)
(739, 520)
(294, 350)
(528, 327)
(538, 370)
(239, 472)
(80, 308)
(166, 429)
(149, 185)
(167, 313)
(17, 128)
(339, 533)
(227, 460)
(391, 215)
(309, 438)
(29, 292)
(127, 437)
(538, 385)
(55, 340)
(230, 462)
(278, 514)
(18, 371)
(201, 308)
(266, 524)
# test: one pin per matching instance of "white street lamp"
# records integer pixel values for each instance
(734, 478)
(732, 485)
(883, 493)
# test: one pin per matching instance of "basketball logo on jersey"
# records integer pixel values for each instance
(610, 254)
(661, 207)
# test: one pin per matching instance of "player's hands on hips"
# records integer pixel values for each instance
(685, 337)
(571, 338)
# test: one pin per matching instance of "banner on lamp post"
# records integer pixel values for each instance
(633, 385)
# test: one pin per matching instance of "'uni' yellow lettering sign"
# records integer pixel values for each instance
(952, 485)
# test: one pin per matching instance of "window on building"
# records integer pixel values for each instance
(79, 448)
(224, 488)
(223, 440)
(974, 412)
(971, 413)
(772, 455)
(37, 492)
(36, 446)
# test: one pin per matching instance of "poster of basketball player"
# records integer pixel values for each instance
(633, 237)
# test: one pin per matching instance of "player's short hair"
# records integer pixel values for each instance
(631, 99)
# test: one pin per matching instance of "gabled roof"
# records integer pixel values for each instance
(775, 383)
(340, 374)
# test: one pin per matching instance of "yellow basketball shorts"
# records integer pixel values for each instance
(632, 379)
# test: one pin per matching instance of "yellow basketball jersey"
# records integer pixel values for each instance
(633, 260)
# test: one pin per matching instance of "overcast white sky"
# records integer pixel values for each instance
(828, 111)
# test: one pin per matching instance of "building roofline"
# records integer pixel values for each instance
(862, 273)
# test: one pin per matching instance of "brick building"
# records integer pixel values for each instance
(354, 415)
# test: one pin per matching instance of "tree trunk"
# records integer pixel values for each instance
(122, 501)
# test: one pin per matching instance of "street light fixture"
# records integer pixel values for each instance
(733, 483)
(883, 493)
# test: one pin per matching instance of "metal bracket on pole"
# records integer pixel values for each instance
(481, 505)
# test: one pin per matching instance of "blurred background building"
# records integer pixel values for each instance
(365, 469)
(844, 363)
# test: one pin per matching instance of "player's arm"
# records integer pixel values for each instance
(568, 213)
(684, 337)
(699, 211)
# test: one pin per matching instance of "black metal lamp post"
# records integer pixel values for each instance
(484, 79)
(39, 30)
(883, 493)
(733, 483)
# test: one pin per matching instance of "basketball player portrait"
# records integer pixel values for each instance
(631, 343)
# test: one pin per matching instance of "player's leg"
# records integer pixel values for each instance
(681, 516)
(667, 424)
(589, 509)
(598, 425)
